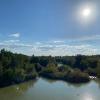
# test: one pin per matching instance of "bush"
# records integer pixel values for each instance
(77, 76)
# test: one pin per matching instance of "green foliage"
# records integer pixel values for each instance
(77, 76)
(15, 68)
(50, 68)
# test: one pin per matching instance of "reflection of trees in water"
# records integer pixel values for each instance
(49, 80)
(67, 83)
(98, 82)
(16, 90)
(21, 88)
(77, 85)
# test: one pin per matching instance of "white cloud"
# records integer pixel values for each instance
(61, 50)
(47, 48)
(58, 41)
(38, 43)
(86, 38)
(16, 35)
(11, 41)
(17, 47)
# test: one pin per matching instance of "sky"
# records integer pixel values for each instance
(50, 27)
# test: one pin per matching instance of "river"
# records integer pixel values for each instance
(44, 89)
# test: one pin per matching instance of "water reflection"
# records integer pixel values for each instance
(16, 91)
(46, 89)
(24, 86)
(49, 80)
(98, 82)
(77, 85)
(88, 97)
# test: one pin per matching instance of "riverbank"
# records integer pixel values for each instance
(18, 80)
(71, 77)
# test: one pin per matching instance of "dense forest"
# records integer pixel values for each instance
(16, 68)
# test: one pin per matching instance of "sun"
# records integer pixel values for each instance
(86, 12)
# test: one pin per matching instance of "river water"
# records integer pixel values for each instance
(44, 89)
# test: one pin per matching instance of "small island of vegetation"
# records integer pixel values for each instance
(17, 68)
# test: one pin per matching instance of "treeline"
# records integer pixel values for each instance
(82, 63)
(16, 68)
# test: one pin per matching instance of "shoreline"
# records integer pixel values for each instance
(48, 77)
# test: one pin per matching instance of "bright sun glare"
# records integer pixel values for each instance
(86, 12)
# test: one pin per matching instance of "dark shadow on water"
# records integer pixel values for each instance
(77, 85)
(18, 88)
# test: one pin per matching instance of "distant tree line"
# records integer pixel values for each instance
(16, 68)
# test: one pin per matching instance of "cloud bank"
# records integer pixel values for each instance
(53, 47)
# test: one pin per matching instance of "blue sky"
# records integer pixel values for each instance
(49, 27)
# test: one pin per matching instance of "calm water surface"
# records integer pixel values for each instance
(43, 89)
